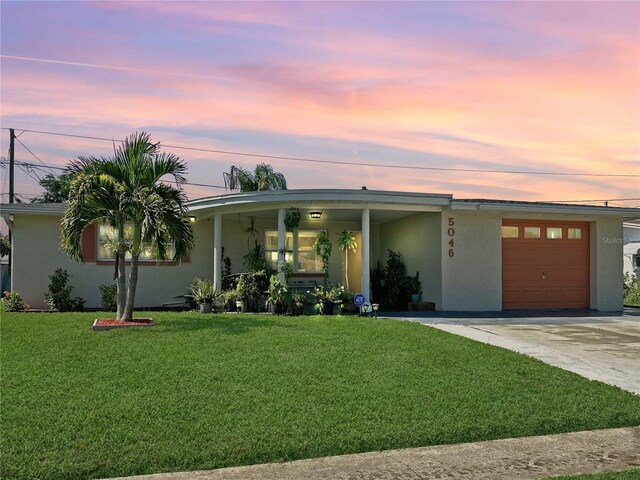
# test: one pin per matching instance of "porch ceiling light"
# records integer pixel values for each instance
(192, 219)
(315, 214)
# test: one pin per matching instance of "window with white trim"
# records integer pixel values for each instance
(301, 252)
(106, 238)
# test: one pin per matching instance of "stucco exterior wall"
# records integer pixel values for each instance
(606, 264)
(36, 255)
(472, 274)
(418, 240)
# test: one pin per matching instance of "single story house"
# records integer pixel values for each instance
(472, 255)
(631, 252)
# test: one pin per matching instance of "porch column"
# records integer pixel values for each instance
(282, 232)
(365, 255)
(217, 252)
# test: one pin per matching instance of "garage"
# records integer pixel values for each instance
(545, 264)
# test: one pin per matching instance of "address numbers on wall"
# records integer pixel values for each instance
(451, 232)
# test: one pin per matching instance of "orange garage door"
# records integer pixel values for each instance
(545, 264)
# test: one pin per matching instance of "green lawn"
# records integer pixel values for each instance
(206, 391)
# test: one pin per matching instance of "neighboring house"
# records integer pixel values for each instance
(631, 249)
(472, 255)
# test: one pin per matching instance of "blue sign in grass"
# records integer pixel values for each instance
(358, 299)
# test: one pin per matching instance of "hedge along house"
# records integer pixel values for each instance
(472, 255)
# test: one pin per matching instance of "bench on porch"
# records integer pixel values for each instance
(304, 282)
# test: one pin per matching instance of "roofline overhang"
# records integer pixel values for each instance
(334, 198)
(553, 208)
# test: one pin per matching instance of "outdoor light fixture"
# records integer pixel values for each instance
(192, 219)
(315, 214)
(365, 309)
(375, 307)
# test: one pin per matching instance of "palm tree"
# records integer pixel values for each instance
(262, 178)
(347, 241)
(127, 190)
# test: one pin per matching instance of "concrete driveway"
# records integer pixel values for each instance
(602, 347)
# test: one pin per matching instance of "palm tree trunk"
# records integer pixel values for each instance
(131, 291)
(346, 267)
(121, 295)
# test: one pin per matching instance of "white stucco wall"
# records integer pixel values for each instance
(606, 264)
(36, 255)
(472, 277)
(417, 238)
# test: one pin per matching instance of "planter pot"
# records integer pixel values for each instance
(206, 308)
(278, 308)
(310, 309)
(415, 297)
(327, 307)
(239, 306)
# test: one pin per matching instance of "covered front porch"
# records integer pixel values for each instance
(379, 222)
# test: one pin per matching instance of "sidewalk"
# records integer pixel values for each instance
(510, 459)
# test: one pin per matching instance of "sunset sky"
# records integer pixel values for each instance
(545, 86)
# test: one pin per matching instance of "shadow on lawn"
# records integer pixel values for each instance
(227, 323)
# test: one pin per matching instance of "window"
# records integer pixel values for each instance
(271, 247)
(637, 262)
(574, 233)
(107, 235)
(554, 233)
(509, 232)
(301, 246)
(531, 232)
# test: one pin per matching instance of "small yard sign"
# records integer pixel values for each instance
(358, 299)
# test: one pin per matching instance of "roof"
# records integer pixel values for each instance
(543, 207)
(338, 198)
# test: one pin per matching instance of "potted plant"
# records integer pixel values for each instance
(203, 293)
(277, 292)
(416, 288)
(292, 219)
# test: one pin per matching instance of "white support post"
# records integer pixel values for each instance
(365, 255)
(217, 252)
(282, 235)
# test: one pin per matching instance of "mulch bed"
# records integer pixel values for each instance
(109, 323)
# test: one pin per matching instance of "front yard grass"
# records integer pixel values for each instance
(207, 391)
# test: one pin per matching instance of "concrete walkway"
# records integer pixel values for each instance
(599, 347)
(510, 459)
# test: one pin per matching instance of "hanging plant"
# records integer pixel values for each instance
(323, 248)
(292, 219)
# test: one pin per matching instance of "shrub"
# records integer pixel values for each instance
(108, 297)
(59, 294)
(12, 302)
(631, 290)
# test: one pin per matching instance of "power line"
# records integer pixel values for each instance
(29, 150)
(336, 162)
(36, 166)
(33, 165)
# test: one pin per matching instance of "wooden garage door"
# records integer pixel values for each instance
(545, 264)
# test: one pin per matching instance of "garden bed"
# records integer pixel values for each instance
(108, 323)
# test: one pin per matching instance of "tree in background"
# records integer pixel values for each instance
(5, 245)
(262, 178)
(126, 192)
(56, 189)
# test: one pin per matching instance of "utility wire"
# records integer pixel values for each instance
(35, 166)
(336, 162)
(29, 150)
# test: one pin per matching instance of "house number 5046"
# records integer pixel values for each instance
(451, 232)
